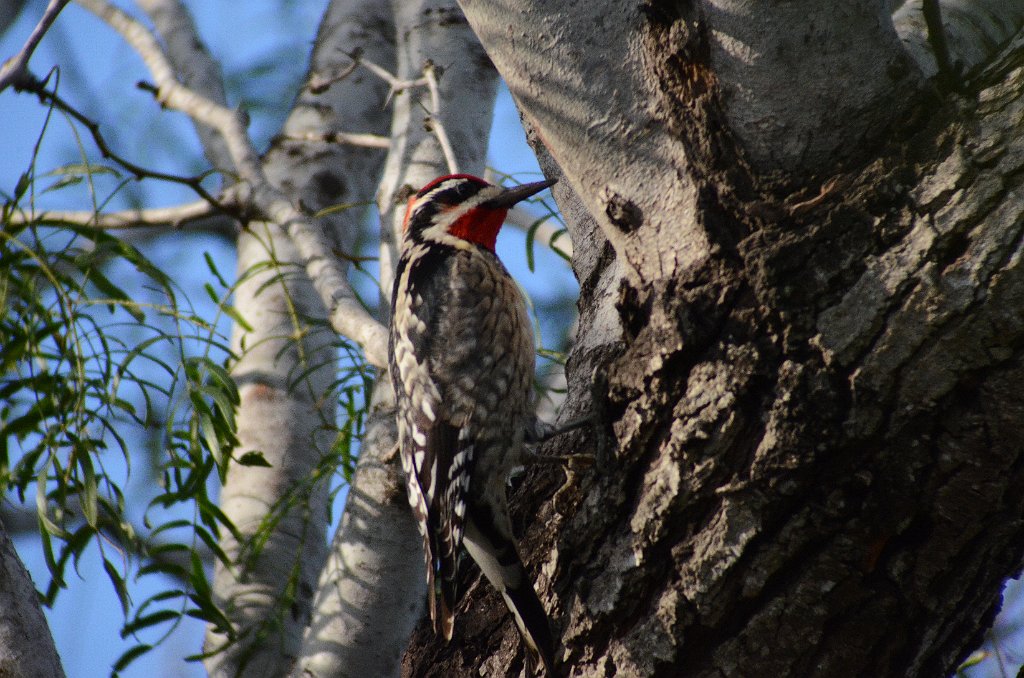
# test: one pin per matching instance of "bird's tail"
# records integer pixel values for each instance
(490, 543)
(442, 601)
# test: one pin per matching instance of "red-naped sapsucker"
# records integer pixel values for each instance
(462, 362)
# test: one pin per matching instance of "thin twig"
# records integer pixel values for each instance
(193, 66)
(346, 138)
(319, 84)
(435, 126)
(15, 69)
(396, 83)
(38, 87)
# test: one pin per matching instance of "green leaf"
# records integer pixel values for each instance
(212, 510)
(222, 378)
(341, 207)
(232, 312)
(254, 458)
(148, 620)
(89, 491)
(24, 181)
(166, 595)
(82, 170)
(173, 524)
(531, 236)
(197, 577)
(169, 569)
(977, 657)
(213, 269)
(131, 655)
(63, 182)
(209, 433)
(115, 293)
(212, 544)
(119, 585)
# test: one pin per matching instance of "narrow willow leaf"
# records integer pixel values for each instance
(148, 620)
(119, 586)
(129, 656)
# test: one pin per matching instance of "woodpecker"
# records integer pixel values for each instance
(461, 356)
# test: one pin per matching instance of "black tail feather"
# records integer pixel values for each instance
(532, 621)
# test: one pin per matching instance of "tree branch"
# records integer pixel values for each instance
(199, 215)
(970, 33)
(371, 591)
(38, 87)
(15, 70)
(194, 66)
(343, 138)
(592, 110)
(846, 78)
(347, 315)
(434, 123)
(295, 424)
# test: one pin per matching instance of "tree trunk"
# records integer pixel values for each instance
(26, 646)
(813, 414)
(287, 362)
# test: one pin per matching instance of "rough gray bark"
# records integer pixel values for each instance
(815, 427)
(851, 69)
(26, 646)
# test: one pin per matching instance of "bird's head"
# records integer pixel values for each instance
(465, 207)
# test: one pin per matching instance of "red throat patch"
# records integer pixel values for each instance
(479, 225)
(408, 210)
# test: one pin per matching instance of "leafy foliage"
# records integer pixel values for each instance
(88, 369)
(77, 372)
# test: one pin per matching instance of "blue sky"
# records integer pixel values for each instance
(102, 73)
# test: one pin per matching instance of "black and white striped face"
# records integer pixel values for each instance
(461, 208)
(454, 205)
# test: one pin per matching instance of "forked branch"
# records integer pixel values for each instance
(348, 317)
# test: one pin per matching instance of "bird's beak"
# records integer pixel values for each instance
(510, 196)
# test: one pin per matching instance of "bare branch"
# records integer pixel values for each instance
(15, 69)
(434, 122)
(358, 140)
(38, 87)
(199, 215)
(319, 83)
(969, 34)
(397, 84)
(348, 317)
(194, 66)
